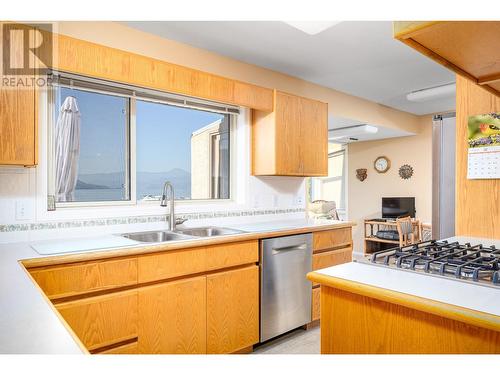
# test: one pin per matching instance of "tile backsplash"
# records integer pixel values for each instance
(141, 219)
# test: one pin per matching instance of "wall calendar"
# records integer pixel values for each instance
(484, 146)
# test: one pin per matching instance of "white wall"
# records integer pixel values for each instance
(364, 198)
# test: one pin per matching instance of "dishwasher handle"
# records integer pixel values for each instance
(277, 250)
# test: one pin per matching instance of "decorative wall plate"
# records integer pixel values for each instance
(361, 174)
(405, 171)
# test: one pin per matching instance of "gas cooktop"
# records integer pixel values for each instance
(463, 262)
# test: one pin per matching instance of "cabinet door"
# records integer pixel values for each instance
(313, 137)
(17, 113)
(315, 315)
(288, 134)
(232, 310)
(172, 317)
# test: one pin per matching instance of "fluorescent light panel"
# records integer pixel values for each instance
(438, 92)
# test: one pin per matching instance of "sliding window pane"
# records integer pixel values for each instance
(188, 147)
(99, 152)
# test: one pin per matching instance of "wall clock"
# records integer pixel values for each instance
(382, 164)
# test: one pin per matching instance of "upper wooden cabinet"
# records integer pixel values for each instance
(94, 60)
(469, 48)
(17, 126)
(292, 140)
(17, 114)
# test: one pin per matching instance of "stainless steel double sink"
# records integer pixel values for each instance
(180, 234)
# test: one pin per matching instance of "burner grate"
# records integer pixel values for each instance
(462, 261)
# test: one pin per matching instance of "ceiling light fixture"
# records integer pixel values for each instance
(312, 27)
(432, 93)
(351, 131)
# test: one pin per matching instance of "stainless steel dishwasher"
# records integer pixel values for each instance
(285, 293)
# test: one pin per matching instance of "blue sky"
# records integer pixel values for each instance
(162, 138)
(164, 135)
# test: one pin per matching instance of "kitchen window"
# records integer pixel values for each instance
(111, 145)
(332, 187)
(185, 146)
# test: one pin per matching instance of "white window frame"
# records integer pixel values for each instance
(317, 181)
(132, 153)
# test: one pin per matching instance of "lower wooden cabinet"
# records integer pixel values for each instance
(324, 260)
(217, 313)
(232, 310)
(173, 317)
(191, 301)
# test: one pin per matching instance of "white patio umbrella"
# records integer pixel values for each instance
(67, 148)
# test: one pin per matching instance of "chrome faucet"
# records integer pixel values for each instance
(171, 219)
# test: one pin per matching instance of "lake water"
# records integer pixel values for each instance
(96, 195)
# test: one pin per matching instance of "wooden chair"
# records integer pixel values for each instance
(425, 232)
(408, 230)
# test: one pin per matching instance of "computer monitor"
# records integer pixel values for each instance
(394, 207)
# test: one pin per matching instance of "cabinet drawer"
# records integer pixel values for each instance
(79, 278)
(103, 320)
(232, 254)
(171, 264)
(316, 303)
(331, 258)
(332, 238)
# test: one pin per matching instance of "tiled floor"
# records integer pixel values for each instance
(299, 341)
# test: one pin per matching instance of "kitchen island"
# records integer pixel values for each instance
(369, 309)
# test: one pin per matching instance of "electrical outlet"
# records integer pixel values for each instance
(299, 200)
(256, 201)
(275, 200)
(21, 210)
(24, 209)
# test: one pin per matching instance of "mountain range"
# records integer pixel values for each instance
(148, 183)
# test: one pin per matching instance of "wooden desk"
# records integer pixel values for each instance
(372, 243)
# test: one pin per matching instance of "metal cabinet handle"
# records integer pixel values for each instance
(276, 250)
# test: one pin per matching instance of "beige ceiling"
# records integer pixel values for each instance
(357, 57)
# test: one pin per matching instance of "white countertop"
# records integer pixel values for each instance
(454, 292)
(108, 241)
(28, 324)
